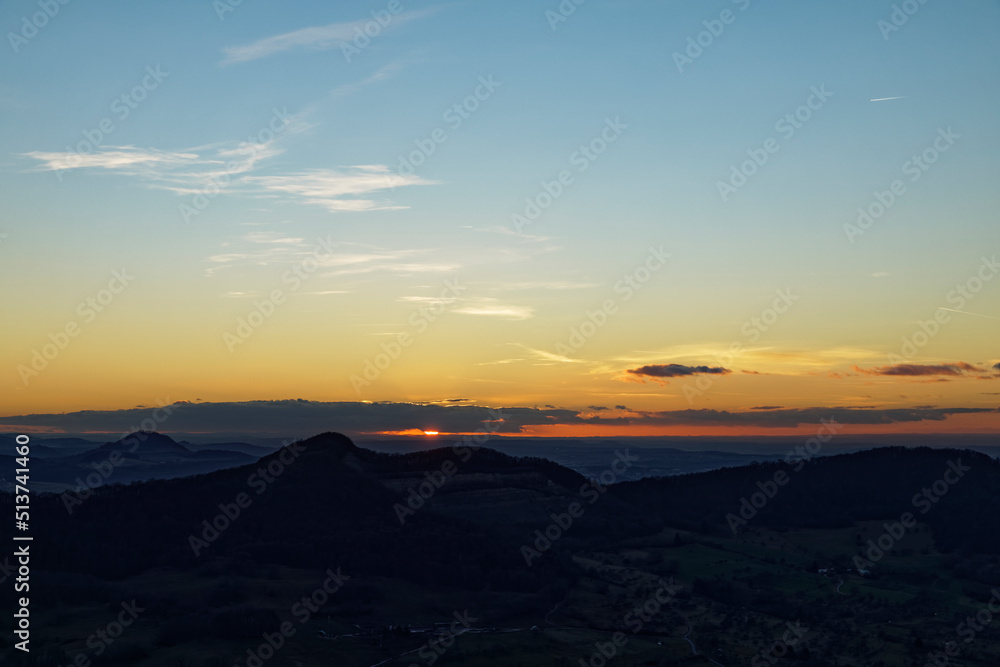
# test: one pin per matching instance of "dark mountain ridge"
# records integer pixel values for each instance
(311, 504)
(324, 501)
(952, 490)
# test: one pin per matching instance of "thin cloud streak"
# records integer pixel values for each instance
(190, 171)
(965, 312)
(314, 38)
(184, 172)
(112, 157)
(342, 189)
(498, 310)
(347, 258)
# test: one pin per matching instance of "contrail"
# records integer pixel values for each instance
(992, 317)
(883, 99)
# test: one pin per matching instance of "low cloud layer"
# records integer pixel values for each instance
(956, 369)
(297, 418)
(787, 418)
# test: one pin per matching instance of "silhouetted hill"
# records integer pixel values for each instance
(324, 502)
(311, 504)
(144, 445)
(140, 456)
(839, 490)
(255, 451)
(51, 447)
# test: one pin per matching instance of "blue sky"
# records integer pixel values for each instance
(332, 172)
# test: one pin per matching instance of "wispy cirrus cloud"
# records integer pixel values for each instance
(489, 307)
(343, 189)
(548, 358)
(429, 300)
(381, 74)
(185, 171)
(362, 259)
(123, 158)
(261, 248)
(313, 38)
(555, 285)
(192, 171)
(507, 231)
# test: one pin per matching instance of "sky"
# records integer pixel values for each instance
(622, 216)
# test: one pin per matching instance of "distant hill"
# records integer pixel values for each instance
(255, 451)
(143, 445)
(139, 456)
(838, 490)
(51, 447)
